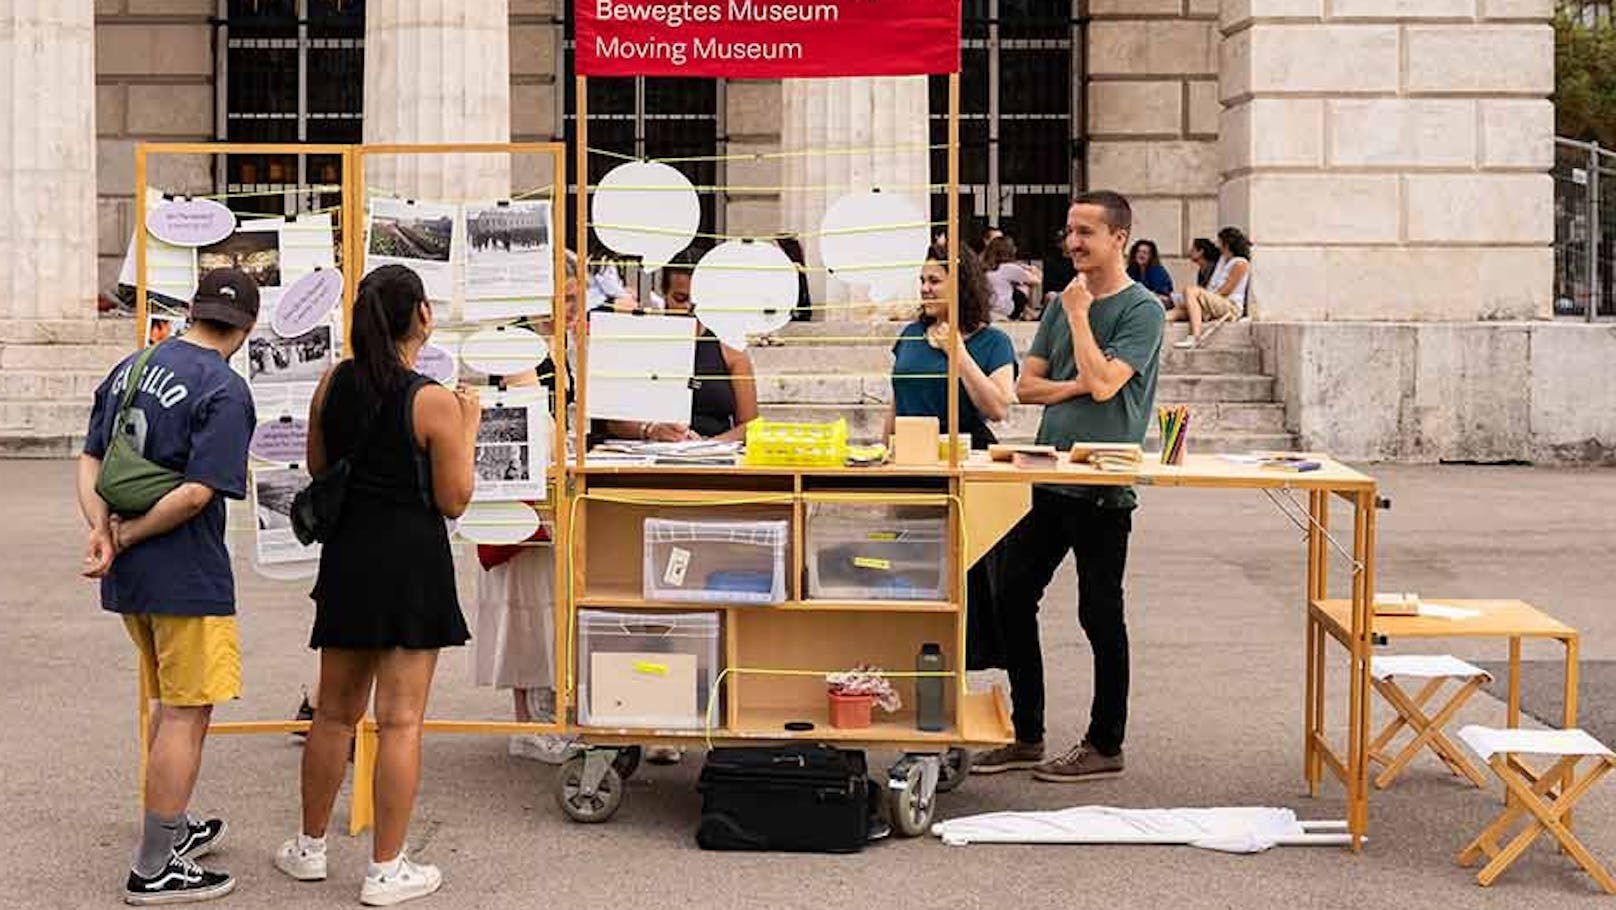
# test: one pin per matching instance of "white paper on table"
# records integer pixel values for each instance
(420, 235)
(513, 445)
(170, 270)
(273, 490)
(510, 263)
(1445, 611)
(1488, 741)
(640, 367)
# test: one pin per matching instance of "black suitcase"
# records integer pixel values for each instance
(799, 798)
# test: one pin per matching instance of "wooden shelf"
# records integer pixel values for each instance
(983, 720)
(628, 601)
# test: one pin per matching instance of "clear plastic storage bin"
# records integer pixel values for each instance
(730, 562)
(875, 552)
(650, 670)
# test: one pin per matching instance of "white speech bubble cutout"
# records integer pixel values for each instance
(875, 239)
(498, 522)
(503, 350)
(437, 363)
(190, 222)
(744, 287)
(646, 209)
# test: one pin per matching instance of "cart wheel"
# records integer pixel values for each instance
(910, 809)
(627, 761)
(956, 768)
(591, 807)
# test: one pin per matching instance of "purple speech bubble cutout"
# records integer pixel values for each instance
(190, 222)
(306, 303)
(436, 363)
(284, 441)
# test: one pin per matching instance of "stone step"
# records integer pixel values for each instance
(61, 357)
(865, 421)
(43, 418)
(825, 388)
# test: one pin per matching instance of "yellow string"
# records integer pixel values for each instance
(870, 267)
(833, 232)
(725, 377)
(283, 191)
(375, 192)
(771, 188)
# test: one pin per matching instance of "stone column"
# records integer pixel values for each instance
(48, 235)
(438, 71)
(879, 113)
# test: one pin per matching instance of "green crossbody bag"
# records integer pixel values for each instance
(129, 482)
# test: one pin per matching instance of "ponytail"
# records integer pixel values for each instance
(384, 315)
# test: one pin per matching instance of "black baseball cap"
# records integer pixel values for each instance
(229, 296)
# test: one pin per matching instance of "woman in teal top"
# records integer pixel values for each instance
(987, 361)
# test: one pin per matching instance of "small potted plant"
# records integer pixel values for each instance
(855, 692)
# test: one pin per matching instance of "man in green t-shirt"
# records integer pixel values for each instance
(1093, 367)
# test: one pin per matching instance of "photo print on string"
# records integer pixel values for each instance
(420, 235)
(254, 248)
(273, 491)
(510, 268)
(273, 360)
(513, 446)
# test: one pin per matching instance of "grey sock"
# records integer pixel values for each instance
(184, 829)
(157, 838)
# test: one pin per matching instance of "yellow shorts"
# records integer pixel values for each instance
(187, 661)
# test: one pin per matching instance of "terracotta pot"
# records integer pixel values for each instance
(850, 712)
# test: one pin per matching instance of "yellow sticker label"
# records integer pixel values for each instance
(882, 535)
(870, 562)
(641, 666)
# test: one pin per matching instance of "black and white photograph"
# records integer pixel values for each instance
(509, 260)
(513, 450)
(273, 492)
(273, 359)
(420, 235)
(252, 249)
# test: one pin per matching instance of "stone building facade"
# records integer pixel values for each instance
(1389, 158)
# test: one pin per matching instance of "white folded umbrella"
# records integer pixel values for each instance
(1239, 829)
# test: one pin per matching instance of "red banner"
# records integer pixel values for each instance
(767, 39)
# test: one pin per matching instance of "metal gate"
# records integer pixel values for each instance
(1021, 126)
(1584, 230)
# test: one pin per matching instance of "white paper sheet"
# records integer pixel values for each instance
(420, 235)
(640, 367)
(273, 491)
(1447, 611)
(513, 445)
(1488, 741)
(510, 262)
(170, 270)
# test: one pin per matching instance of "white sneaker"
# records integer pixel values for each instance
(302, 858)
(1187, 344)
(550, 748)
(407, 882)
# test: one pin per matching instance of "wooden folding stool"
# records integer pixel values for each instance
(1547, 797)
(1437, 670)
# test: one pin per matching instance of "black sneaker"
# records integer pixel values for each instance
(200, 838)
(180, 882)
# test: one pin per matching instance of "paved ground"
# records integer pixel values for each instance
(1215, 587)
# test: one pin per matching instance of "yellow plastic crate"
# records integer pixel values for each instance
(796, 445)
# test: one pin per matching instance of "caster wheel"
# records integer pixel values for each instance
(590, 808)
(956, 768)
(627, 761)
(911, 811)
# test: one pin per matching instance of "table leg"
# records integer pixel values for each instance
(1362, 641)
(1309, 722)
(1513, 716)
(1568, 707)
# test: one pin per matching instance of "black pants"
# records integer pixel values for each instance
(1098, 539)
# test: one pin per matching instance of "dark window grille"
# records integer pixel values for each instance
(293, 71)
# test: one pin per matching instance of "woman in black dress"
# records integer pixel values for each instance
(385, 597)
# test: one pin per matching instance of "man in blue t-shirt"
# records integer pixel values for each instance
(1093, 367)
(167, 571)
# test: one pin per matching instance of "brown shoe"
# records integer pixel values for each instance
(1014, 757)
(1079, 763)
